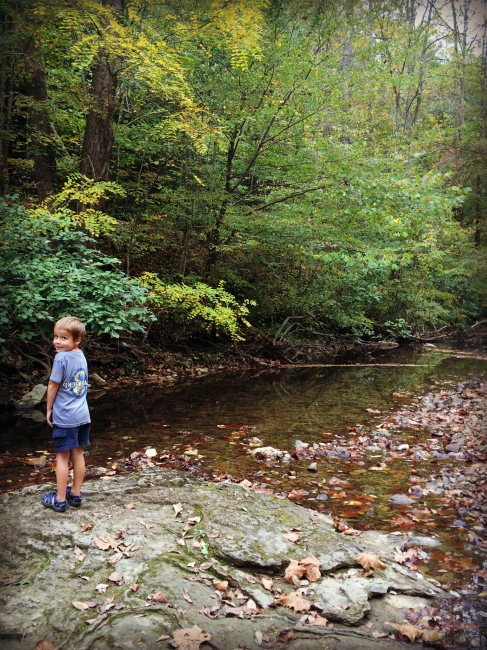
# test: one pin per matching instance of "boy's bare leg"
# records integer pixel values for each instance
(62, 473)
(78, 470)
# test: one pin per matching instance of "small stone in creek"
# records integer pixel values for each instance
(313, 467)
(401, 499)
(322, 496)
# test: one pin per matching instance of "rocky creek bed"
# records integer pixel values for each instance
(166, 531)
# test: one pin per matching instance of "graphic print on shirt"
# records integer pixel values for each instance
(78, 385)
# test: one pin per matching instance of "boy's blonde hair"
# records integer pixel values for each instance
(73, 325)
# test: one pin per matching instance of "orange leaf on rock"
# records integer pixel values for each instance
(159, 597)
(267, 583)
(292, 537)
(190, 638)
(370, 561)
(186, 596)
(294, 600)
(134, 586)
(80, 606)
(406, 629)
(45, 645)
(312, 568)
(285, 637)
(220, 585)
(249, 578)
(101, 543)
(129, 506)
(320, 620)
(115, 558)
(294, 569)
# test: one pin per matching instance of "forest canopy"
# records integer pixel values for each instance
(222, 167)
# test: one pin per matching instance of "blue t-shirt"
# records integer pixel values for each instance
(70, 371)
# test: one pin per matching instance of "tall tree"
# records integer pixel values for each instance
(39, 124)
(99, 134)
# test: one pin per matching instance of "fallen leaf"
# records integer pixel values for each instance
(180, 542)
(129, 506)
(432, 636)
(190, 638)
(163, 637)
(134, 586)
(80, 606)
(186, 596)
(220, 585)
(405, 629)
(370, 561)
(229, 537)
(45, 645)
(214, 536)
(9, 581)
(178, 508)
(258, 637)
(79, 556)
(296, 494)
(345, 605)
(267, 583)
(101, 543)
(249, 578)
(150, 452)
(101, 588)
(87, 527)
(206, 611)
(292, 537)
(115, 558)
(294, 600)
(116, 576)
(205, 566)
(312, 570)
(294, 569)
(285, 637)
(159, 597)
(320, 620)
(149, 526)
(90, 621)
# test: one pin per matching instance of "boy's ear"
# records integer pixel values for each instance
(78, 340)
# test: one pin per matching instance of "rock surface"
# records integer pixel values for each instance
(32, 399)
(232, 534)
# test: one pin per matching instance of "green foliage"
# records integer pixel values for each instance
(323, 160)
(197, 308)
(47, 271)
(85, 192)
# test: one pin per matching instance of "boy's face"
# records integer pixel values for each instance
(64, 340)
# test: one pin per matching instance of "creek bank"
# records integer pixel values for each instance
(168, 531)
(110, 369)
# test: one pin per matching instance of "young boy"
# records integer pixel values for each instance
(67, 412)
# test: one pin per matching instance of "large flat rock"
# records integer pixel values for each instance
(239, 532)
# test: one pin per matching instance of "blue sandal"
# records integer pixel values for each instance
(72, 499)
(49, 500)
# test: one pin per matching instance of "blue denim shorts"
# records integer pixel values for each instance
(71, 438)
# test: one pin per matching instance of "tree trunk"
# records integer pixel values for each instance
(36, 89)
(99, 134)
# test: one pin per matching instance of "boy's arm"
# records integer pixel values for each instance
(52, 389)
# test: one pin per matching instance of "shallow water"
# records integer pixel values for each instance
(310, 404)
(282, 405)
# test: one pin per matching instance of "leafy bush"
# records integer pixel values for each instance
(48, 271)
(197, 308)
